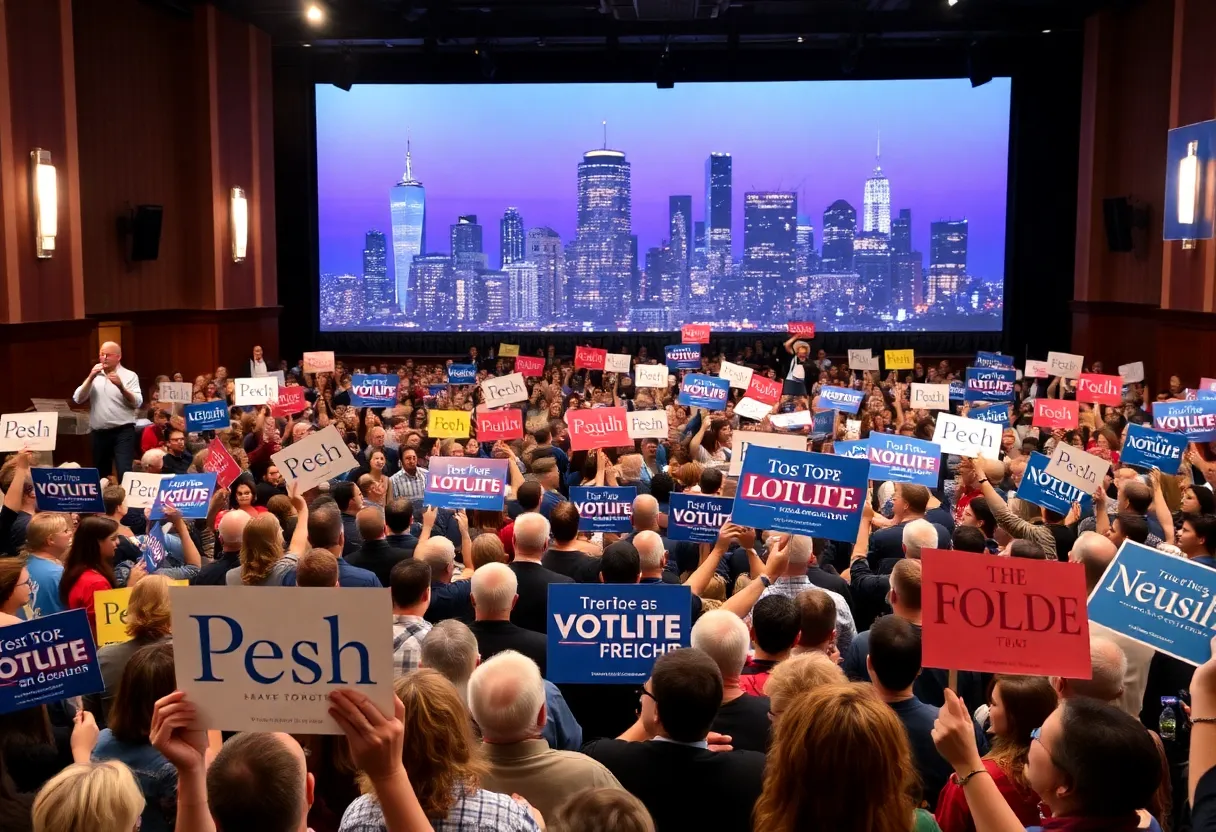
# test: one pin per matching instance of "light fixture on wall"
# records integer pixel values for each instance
(1188, 189)
(45, 194)
(240, 224)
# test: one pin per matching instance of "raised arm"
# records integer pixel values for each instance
(789, 344)
(1164, 516)
(704, 572)
(1101, 518)
(741, 602)
(694, 446)
(954, 736)
(299, 537)
(16, 489)
(190, 553)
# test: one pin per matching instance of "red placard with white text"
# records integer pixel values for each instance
(600, 427)
(1061, 414)
(1100, 389)
(694, 334)
(527, 365)
(291, 401)
(1004, 615)
(493, 425)
(221, 462)
(764, 389)
(1207, 384)
(589, 358)
(805, 329)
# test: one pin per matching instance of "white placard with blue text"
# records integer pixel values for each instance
(801, 492)
(255, 392)
(69, 490)
(603, 508)
(1044, 490)
(318, 457)
(967, 437)
(904, 459)
(35, 431)
(650, 375)
(697, 517)
(141, 488)
(46, 660)
(1148, 448)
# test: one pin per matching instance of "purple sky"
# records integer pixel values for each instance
(481, 148)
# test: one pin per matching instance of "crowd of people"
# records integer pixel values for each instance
(800, 704)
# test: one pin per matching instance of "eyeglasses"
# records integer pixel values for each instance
(643, 692)
(1036, 736)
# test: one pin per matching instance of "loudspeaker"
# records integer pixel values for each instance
(1117, 215)
(145, 232)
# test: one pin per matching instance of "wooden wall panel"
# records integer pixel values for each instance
(234, 88)
(195, 342)
(262, 206)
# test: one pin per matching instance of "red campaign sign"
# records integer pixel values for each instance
(806, 329)
(601, 427)
(764, 389)
(291, 401)
(590, 358)
(1056, 413)
(529, 365)
(694, 334)
(1092, 387)
(221, 462)
(1207, 384)
(1004, 615)
(493, 425)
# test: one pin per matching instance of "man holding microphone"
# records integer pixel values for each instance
(113, 394)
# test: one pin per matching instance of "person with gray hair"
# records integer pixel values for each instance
(506, 696)
(450, 596)
(800, 548)
(917, 535)
(725, 639)
(1109, 666)
(152, 461)
(494, 596)
(531, 540)
(232, 532)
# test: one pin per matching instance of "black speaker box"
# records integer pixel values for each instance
(145, 232)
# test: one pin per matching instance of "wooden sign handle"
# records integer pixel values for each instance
(952, 680)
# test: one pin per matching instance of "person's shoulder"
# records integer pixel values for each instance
(363, 815)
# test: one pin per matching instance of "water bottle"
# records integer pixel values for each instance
(1167, 725)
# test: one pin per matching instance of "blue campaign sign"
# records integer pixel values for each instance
(856, 449)
(806, 493)
(462, 374)
(1164, 601)
(71, 490)
(958, 391)
(840, 398)
(1148, 448)
(207, 416)
(188, 493)
(683, 357)
(993, 359)
(822, 424)
(1048, 492)
(904, 459)
(373, 390)
(997, 414)
(604, 508)
(1195, 420)
(155, 548)
(466, 482)
(611, 634)
(986, 384)
(709, 392)
(47, 659)
(697, 518)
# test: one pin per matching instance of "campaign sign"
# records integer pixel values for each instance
(997, 414)
(749, 408)
(904, 459)
(254, 392)
(803, 329)
(738, 375)
(791, 421)
(697, 518)
(899, 359)
(207, 416)
(221, 463)
(618, 362)
(70, 490)
(1036, 369)
(462, 374)
(863, 360)
(110, 612)
(855, 449)
(801, 492)
(647, 424)
(611, 634)
(529, 366)
(378, 390)
(1204, 384)
(466, 482)
(141, 488)
(989, 385)
(694, 334)
(840, 398)
(1056, 414)
(993, 360)
(448, 424)
(188, 493)
(930, 396)
(650, 375)
(742, 440)
(1148, 448)
(508, 350)
(709, 392)
(967, 437)
(436, 390)
(47, 659)
(995, 615)
(314, 459)
(823, 424)
(1132, 373)
(764, 389)
(590, 358)
(154, 548)
(504, 390)
(1046, 491)
(1100, 389)
(290, 402)
(267, 662)
(35, 431)
(493, 425)
(318, 362)
(958, 391)
(175, 392)
(683, 357)
(604, 508)
(602, 427)
(1064, 364)
(1195, 420)
(1078, 468)
(1164, 601)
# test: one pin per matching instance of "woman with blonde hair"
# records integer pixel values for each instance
(89, 797)
(148, 622)
(839, 734)
(601, 810)
(798, 674)
(263, 562)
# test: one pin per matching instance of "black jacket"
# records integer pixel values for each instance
(378, 557)
(578, 566)
(532, 609)
(493, 637)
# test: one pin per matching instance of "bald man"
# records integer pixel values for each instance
(113, 394)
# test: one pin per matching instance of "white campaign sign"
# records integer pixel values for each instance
(36, 431)
(862, 360)
(1132, 373)
(1077, 468)
(617, 362)
(315, 459)
(141, 488)
(267, 662)
(504, 390)
(791, 421)
(738, 375)
(176, 392)
(749, 408)
(318, 362)
(650, 375)
(648, 423)
(930, 396)
(1037, 369)
(743, 438)
(255, 391)
(1064, 364)
(967, 437)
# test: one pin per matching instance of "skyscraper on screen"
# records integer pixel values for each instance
(770, 248)
(525, 298)
(947, 260)
(839, 228)
(600, 261)
(544, 248)
(511, 237)
(432, 280)
(717, 212)
(407, 207)
(377, 288)
(877, 203)
(466, 237)
(493, 303)
(872, 262)
(679, 210)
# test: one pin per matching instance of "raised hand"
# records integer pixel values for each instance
(172, 735)
(375, 740)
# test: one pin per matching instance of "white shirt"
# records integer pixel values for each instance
(257, 369)
(107, 406)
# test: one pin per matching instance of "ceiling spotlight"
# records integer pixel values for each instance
(800, 38)
(951, 2)
(314, 14)
(1047, 31)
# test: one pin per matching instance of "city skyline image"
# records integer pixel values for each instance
(863, 206)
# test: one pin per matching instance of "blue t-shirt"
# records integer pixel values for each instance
(44, 586)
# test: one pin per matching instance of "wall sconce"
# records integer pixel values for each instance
(1188, 189)
(240, 224)
(45, 196)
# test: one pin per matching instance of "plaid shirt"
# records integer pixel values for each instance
(408, 633)
(410, 488)
(795, 585)
(481, 811)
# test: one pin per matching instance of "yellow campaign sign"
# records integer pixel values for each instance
(448, 424)
(110, 606)
(899, 359)
(508, 350)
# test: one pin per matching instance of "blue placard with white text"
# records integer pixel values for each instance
(854, 449)
(801, 492)
(840, 398)
(997, 414)
(188, 493)
(904, 459)
(990, 384)
(1048, 492)
(822, 424)
(697, 517)
(1164, 601)
(155, 549)
(993, 359)
(611, 634)
(1148, 448)
(466, 482)
(47, 659)
(604, 508)
(700, 390)
(958, 391)
(378, 390)
(1195, 420)
(462, 374)
(70, 490)
(207, 416)
(683, 357)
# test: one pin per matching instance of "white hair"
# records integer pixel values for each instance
(919, 534)
(506, 695)
(531, 533)
(232, 529)
(644, 503)
(152, 458)
(723, 636)
(438, 552)
(800, 548)
(451, 648)
(1108, 663)
(650, 550)
(494, 588)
